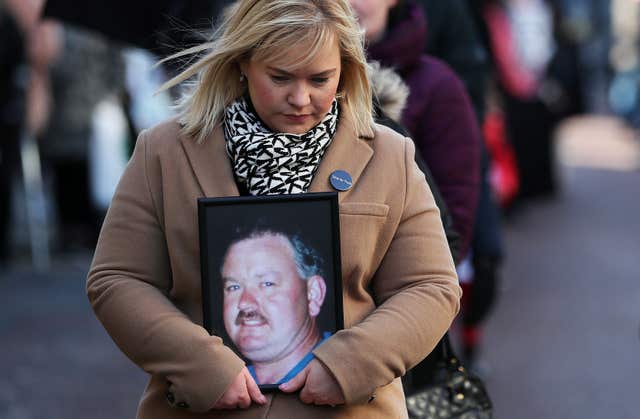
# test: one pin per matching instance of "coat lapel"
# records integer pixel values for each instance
(211, 165)
(213, 171)
(347, 152)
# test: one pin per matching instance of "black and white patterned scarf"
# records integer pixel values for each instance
(271, 163)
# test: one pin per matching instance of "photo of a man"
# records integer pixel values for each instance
(273, 290)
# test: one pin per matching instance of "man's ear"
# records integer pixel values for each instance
(316, 291)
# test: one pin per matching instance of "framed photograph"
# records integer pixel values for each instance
(271, 278)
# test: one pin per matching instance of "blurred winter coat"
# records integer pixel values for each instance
(13, 79)
(390, 98)
(158, 25)
(11, 58)
(454, 38)
(438, 115)
(88, 70)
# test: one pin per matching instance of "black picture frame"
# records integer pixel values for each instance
(312, 218)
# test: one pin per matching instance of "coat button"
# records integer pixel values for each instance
(170, 397)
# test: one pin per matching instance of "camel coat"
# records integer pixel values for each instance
(400, 290)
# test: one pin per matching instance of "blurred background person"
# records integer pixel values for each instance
(623, 95)
(88, 69)
(28, 48)
(12, 57)
(431, 113)
(437, 115)
(453, 35)
(84, 98)
(537, 81)
(162, 27)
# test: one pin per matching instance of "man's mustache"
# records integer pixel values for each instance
(249, 315)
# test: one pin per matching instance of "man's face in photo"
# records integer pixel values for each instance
(268, 307)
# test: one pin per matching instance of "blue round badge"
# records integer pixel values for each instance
(341, 180)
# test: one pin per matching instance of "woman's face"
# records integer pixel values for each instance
(290, 98)
(373, 16)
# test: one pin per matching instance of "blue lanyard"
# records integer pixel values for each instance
(299, 366)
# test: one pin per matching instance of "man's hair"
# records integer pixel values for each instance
(269, 30)
(308, 260)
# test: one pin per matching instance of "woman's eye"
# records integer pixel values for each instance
(320, 80)
(268, 284)
(279, 79)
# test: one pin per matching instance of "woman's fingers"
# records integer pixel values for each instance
(237, 395)
(296, 383)
(244, 400)
(320, 387)
(254, 391)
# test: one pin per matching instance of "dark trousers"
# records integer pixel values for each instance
(9, 164)
(78, 219)
(530, 128)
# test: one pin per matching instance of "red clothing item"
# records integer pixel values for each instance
(513, 76)
(503, 173)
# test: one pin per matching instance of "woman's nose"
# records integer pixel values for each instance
(299, 95)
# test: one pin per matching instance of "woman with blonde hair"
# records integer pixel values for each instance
(279, 99)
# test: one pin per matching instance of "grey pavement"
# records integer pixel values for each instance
(562, 343)
(57, 362)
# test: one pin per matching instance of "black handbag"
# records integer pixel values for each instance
(455, 393)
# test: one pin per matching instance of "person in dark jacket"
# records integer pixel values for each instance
(457, 34)
(12, 98)
(438, 114)
(27, 48)
(390, 98)
(155, 25)
(453, 37)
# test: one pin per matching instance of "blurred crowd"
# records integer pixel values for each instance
(480, 85)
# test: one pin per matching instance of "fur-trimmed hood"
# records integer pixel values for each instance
(389, 89)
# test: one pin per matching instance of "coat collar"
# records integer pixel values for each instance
(212, 167)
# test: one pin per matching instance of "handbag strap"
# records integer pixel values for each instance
(446, 347)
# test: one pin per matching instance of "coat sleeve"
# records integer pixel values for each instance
(128, 286)
(417, 296)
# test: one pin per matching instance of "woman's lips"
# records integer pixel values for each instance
(297, 118)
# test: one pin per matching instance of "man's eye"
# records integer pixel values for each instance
(268, 284)
(230, 288)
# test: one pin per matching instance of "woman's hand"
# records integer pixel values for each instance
(317, 384)
(242, 392)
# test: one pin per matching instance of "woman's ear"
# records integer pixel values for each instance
(316, 291)
(244, 66)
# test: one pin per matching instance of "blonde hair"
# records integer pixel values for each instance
(267, 30)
